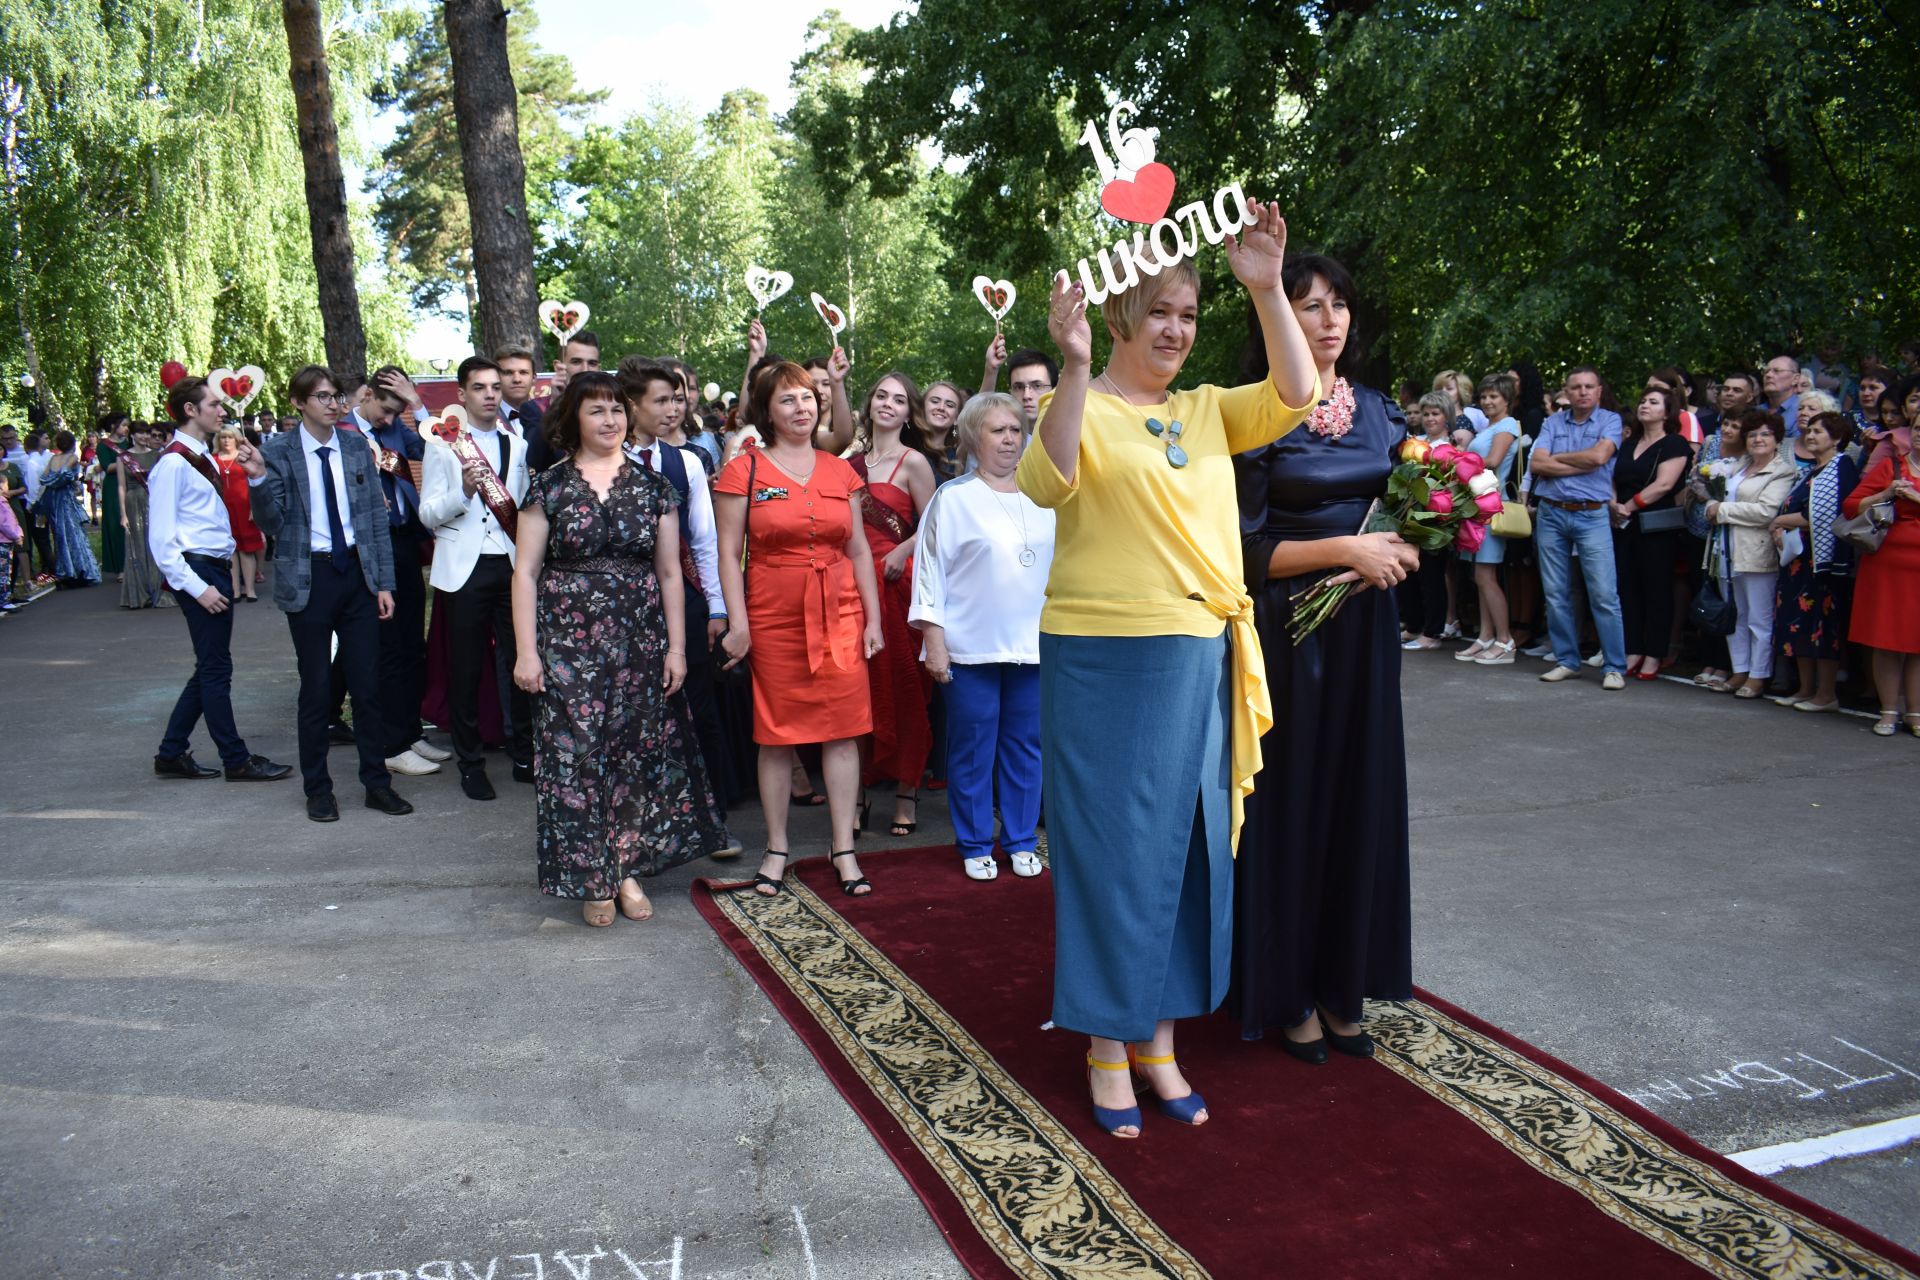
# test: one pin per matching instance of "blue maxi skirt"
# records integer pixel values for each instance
(1135, 761)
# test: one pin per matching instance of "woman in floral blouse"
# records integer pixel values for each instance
(621, 790)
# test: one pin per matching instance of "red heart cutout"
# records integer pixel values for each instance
(833, 316)
(447, 429)
(999, 297)
(571, 317)
(246, 385)
(1145, 199)
(231, 386)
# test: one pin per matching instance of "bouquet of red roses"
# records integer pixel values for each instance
(1437, 495)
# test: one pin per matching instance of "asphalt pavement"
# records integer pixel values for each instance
(234, 1043)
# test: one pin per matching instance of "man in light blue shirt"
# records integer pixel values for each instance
(1781, 382)
(1572, 468)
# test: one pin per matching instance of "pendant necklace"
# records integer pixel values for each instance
(1176, 456)
(1027, 555)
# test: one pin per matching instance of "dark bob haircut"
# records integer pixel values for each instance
(1837, 425)
(562, 423)
(307, 380)
(1298, 271)
(1760, 420)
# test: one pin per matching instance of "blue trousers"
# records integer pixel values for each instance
(1556, 534)
(993, 737)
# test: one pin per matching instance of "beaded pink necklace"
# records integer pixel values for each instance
(1333, 417)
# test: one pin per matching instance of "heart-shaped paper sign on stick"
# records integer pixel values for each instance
(996, 296)
(835, 318)
(443, 427)
(1145, 199)
(239, 386)
(767, 287)
(564, 319)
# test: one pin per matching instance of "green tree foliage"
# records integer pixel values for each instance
(420, 203)
(673, 210)
(156, 209)
(1612, 181)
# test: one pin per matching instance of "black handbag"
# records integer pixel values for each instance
(1712, 612)
(1664, 520)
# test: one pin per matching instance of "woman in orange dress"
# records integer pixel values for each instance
(806, 609)
(898, 469)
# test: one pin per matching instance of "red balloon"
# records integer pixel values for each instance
(171, 372)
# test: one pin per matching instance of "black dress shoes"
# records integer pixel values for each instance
(523, 773)
(1355, 1046)
(1313, 1052)
(388, 801)
(474, 782)
(340, 733)
(182, 766)
(321, 808)
(260, 769)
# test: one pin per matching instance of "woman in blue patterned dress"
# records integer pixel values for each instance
(59, 503)
(620, 787)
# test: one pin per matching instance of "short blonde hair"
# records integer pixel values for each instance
(1123, 312)
(973, 418)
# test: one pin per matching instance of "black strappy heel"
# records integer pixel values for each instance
(851, 887)
(900, 828)
(860, 817)
(779, 882)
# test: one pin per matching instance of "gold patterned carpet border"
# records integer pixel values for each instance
(1616, 1164)
(1048, 1208)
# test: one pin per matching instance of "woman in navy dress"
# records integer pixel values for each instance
(1321, 914)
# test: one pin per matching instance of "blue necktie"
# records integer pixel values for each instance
(334, 531)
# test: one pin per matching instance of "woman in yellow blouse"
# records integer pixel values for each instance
(1152, 695)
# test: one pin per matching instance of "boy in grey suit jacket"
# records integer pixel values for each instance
(317, 492)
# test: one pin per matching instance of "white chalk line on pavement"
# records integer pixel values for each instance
(1845, 711)
(1807, 1152)
(806, 1243)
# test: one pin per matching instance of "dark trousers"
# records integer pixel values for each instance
(403, 645)
(1643, 566)
(42, 535)
(208, 694)
(703, 702)
(486, 600)
(1423, 602)
(338, 603)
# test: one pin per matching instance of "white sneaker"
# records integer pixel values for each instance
(409, 763)
(1597, 660)
(427, 751)
(1613, 681)
(982, 867)
(1026, 863)
(1537, 650)
(1558, 674)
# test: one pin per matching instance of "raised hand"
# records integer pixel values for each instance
(997, 351)
(756, 342)
(838, 366)
(1067, 323)
(250, 461)
(1256, 254)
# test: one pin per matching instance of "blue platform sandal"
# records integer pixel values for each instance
(1183, 1109)
(1113, 1118)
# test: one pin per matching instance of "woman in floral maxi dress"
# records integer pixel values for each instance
(620, 787)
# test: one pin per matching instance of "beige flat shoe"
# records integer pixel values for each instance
(640, 910)
(597, 914)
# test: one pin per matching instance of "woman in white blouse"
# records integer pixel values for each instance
(979, 580)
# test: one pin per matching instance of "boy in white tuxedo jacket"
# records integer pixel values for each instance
(473, 570)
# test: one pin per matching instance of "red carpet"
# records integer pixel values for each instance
(1457, 1152)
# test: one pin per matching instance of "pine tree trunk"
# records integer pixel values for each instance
(326, 190)
(486, 111)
